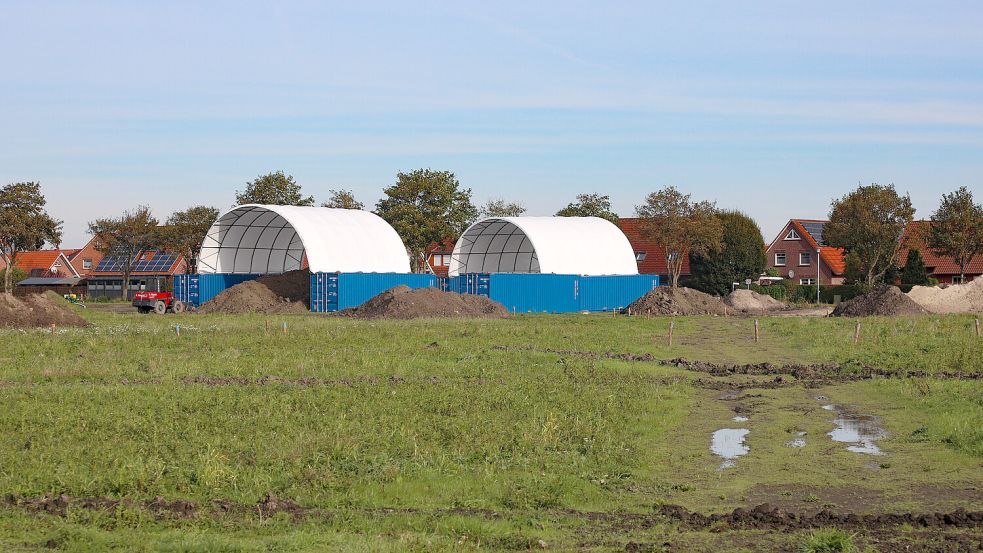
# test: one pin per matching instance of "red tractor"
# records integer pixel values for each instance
(158, 302)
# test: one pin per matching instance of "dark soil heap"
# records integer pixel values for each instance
(37, 310)
(286, 293)
(403, 302)
(665, 300)
(883, 300)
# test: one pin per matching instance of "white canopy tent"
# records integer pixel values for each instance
(274, 239)
(559, 245)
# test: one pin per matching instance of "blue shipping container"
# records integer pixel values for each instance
(337, 291)
(549, 293)
(197, 289)
(609, 293)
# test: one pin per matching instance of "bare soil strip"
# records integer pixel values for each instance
(828, 371)
(761, 517)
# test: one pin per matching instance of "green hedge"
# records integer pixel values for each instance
(776, 291)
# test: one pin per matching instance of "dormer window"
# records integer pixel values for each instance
(792, 235)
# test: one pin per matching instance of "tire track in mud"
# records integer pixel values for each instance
(761, 517)
(829, 372)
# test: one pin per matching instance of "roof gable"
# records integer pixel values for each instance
(654, 261)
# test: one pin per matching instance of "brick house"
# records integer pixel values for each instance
(45, 264)
(152, 270)
(793, 253)
(943, 269)
(650, 256)
(439, 257)
(85, 259)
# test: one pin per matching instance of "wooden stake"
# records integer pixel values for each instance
(856, 334)
(977, 328)
(672, 325)
(757, 331)
(284, 327)
(177, 329)
(267, 326)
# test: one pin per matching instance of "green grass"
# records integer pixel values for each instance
(400, 444)
(828, 540)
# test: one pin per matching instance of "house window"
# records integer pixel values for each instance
(807, 281)
(957, 280)
(792, 235)
(779, 259)
(805, 258)
(441, 260)
(639, 256)
(87, 264)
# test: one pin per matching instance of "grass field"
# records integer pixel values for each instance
(235, 435)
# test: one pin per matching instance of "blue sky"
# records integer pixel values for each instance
(772, 108)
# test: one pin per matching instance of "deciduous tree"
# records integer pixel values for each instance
(741, 255)
(500, 208)
(185, 230)
(273, 189)
(957, 228)
(426, 206)
(681, 225)
(342, 199)
(125, 237)
(24, 224)
(869, 222)
(590, 205)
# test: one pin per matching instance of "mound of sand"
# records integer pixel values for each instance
(959, 298)
(37, 310)
(286, 293)
(882, 300)
(403, 302)
(749, 301)
(665, 300)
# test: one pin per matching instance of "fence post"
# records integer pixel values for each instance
(977, 328)
(284, 327)
(856, 334)
(757, 331)
(672, 325)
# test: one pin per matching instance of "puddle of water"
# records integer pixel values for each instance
(729, 444)
(739, 418)
(798, 441)
(860, 431)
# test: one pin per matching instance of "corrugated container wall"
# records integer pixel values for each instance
(197, 289)
(337, 291)
(548, 293)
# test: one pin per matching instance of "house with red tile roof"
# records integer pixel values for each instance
(650, 256)
(439, 256)
(797, 250)
(150, 270)
(45, 264)
(943, 269)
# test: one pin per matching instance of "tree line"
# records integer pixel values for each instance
(427, 206)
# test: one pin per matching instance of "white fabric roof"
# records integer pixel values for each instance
(560, 245)
(274, 239)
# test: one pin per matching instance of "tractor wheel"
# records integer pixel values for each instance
(179, 306)
(160, 308)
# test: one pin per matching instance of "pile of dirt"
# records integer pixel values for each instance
(37, 310)
(883, 300)
(403, 302)
(285, 293)
(958, 298)
(749, 301)
(665, 300)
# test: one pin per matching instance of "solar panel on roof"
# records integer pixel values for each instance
(816, 230)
